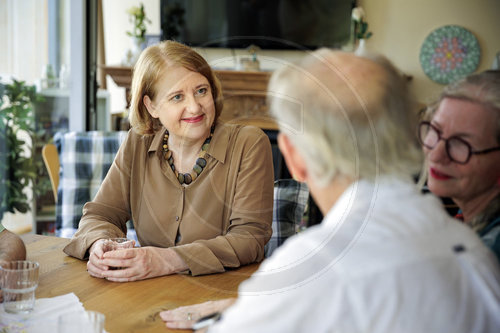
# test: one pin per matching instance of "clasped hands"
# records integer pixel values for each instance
(134, 263)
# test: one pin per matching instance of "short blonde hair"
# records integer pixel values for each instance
(351, 117)
(153, 62)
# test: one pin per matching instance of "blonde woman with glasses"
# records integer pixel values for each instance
(461, 142)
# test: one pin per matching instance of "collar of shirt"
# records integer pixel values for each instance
(218, 146)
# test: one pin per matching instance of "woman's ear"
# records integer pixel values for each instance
(294, 161)
(149, 106)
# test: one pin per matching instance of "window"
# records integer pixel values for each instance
(24, 31)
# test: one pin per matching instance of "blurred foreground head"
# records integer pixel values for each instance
(347, 115)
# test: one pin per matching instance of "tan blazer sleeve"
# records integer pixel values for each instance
(106, 216)
(249, 224)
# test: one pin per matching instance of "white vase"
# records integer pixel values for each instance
(133, 52)
(362, 49)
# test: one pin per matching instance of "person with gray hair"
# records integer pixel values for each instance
(386, 258)
(461, 140)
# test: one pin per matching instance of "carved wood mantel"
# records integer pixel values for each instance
(244, 94)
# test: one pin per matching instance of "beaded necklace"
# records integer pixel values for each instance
(201, 162)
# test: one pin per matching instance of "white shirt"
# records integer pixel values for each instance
(385, 259)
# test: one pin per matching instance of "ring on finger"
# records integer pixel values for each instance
(189, 316)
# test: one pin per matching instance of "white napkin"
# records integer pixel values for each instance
(43, 319)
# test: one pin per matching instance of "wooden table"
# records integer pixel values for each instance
(130, 306)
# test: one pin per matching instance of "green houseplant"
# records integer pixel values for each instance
(360, 25)
(360, 30)
(138, 17)
(18, 167)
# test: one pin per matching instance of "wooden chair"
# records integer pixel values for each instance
(51, 160)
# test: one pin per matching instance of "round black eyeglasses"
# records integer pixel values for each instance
(458, 150)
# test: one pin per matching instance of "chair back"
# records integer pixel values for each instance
(51, 160)
(85, 158)
(289, 206)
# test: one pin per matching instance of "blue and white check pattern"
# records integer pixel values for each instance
(290, 199)
(85, 158)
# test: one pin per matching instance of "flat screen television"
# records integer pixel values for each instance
(269, 24)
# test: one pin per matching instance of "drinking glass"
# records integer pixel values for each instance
(113, 244)
(19, 280)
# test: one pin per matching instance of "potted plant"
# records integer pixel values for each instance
(18, 166)
(137, 16)
(361, 32)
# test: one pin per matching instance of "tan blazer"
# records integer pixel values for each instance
(222, 219)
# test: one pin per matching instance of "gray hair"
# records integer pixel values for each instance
(482, 88)
(345, 121)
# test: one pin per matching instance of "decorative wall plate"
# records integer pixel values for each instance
(449, 53)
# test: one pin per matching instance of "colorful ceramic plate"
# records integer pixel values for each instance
(449, 53)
